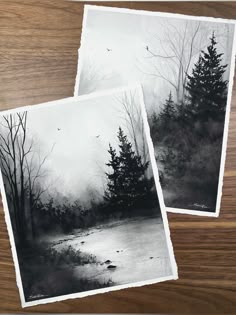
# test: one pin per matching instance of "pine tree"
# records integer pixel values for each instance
(194, 83)
(206, 86)
(127, 184)
(168, 112)
(113, 185)
(154, 123)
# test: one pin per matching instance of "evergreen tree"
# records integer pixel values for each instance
(127, 184)
(154, 123)
(206, 86)
(194, 83)
(168, 112)
(114, 178)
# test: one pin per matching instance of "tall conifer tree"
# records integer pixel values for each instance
(168, 112)
(127, 183)
(113, 185)
(206, 86)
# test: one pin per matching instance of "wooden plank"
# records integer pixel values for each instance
(38, 59)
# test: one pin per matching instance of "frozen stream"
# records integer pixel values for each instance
(136, 247)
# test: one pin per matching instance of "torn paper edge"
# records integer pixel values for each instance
(70, 100)
(229, 94)
(224, 144)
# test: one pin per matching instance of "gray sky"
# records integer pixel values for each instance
(77, 161)
(127, 61)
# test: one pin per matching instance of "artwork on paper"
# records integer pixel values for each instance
(83, 204)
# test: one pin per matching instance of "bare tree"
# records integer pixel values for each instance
(92, 76)
(134, 122)
(20, 175)
(172, 54)
(35, 172)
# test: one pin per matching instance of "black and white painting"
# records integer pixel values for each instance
(185, 65)
(82, 199)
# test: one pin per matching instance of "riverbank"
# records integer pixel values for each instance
(115, 253)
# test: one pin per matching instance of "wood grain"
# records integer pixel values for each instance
(38, 59)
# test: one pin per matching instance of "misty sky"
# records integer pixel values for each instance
(79, 133)
(115, 54)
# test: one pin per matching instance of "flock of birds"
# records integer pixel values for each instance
(59, 129)
(108, 50)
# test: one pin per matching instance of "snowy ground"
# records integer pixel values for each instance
(137, 248)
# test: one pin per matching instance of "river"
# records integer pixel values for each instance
(136, 248)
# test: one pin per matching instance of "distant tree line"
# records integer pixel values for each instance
(129, 190)
(188, 134)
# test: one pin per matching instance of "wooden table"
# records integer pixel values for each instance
(38, 59)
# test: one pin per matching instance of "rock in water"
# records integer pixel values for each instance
(107, 261)
(111, 267)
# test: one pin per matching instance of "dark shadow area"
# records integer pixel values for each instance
(188, 135)
(46, 269)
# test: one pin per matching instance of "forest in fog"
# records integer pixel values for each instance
(59, 186)
(189, 131)
(128, 183)
(184, 66)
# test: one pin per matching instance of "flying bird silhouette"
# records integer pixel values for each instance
(58, 129)
(97, 136)
(147, 48)
(108, 49)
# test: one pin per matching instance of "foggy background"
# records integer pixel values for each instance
(80, 223)
(114, 51)
(75, 138)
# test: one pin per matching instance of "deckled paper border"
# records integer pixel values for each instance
(229, 95)
(95, 95)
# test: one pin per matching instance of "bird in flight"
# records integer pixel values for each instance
(58, 129)
(147, 48)
(108, 49)
(97, 136)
